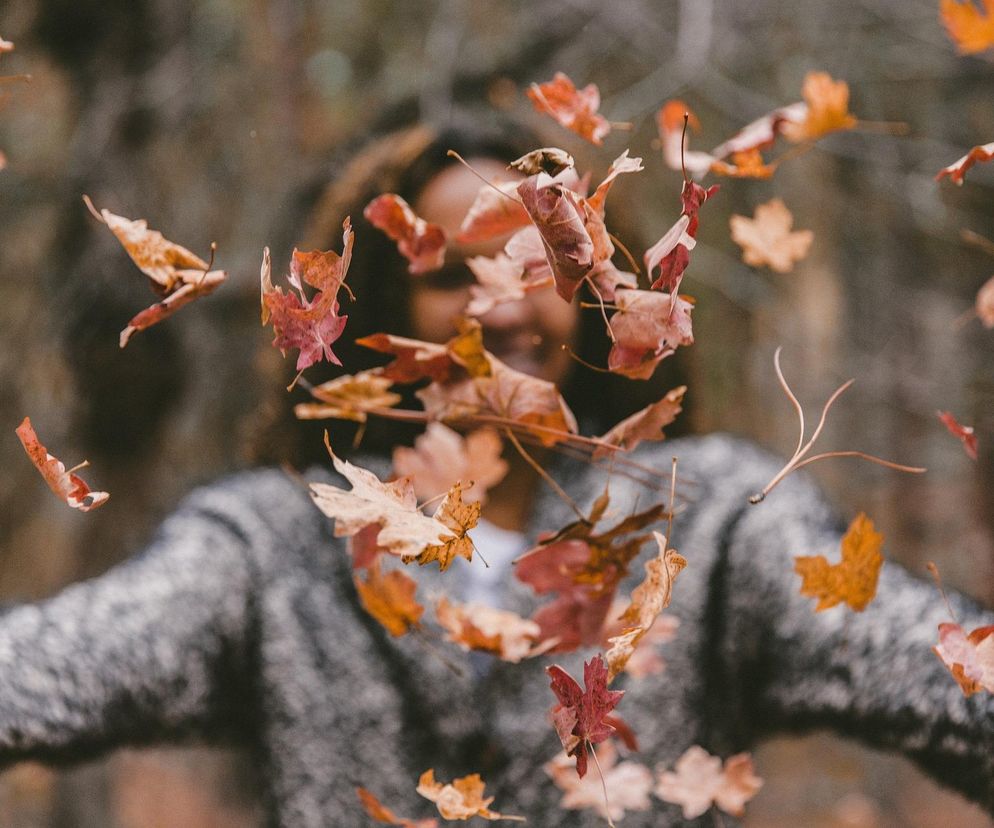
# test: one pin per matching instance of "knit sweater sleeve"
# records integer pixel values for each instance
(870, 675)
(155, 649)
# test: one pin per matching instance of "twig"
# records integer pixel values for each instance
(453, 154)
(938, 582)
(545, 475)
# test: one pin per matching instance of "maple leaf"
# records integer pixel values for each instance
(971, 29)
(68, 487)
(389, 599)
(699, 781)
(460, 799)
(745, 164)
(649, 599)
(490, 630)
(310, 325)
(671, 254)
(421, 243)
(581, 717)
(498, 281)
(957, 170)
(404, 530)
(458, 518)
(985, 303)
(646, 424)
(414, 358)
(556, 212)
(628, 784)
(648, 326)
(349, 397)
(854, 579)
(963, 433)
(441, 457)
(644, 660)
(175, 273)
(549, 160)
(969, 657)
(494, 212)
(767, 239)
(575, 109)
(381, 813)
(827, 110)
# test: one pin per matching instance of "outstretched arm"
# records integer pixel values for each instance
(155, 649)
(870, 675)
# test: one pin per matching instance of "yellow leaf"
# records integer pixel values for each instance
(854, 579)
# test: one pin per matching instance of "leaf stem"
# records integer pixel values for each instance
(607, 802)
(545, 475)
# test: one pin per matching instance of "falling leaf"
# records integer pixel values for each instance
(957, 170)
(746, 164)
(606, 278)
(854, 579)
(827, 108)
(349, 397)
(767, 239)
(496, 211)
(581, 717)
(460, 799)
(6, 46)
(620, 166)
(669, 122)
(311, 325)
(421, 243)
(646, 424)
(381, 813)
(389, 599)
(175, 273)
(649, 599)
(549, 160)
(67, 486)
(441, 457)
(476, 627)
(555, 210)
(498, 280)
(645, 660)
(985, 303)
(647, 327)
(414, 358)
(575, 109)
(970, 658)
(527, 250)
(671, 254)
(628, 784)
(971, 29)
(404, 530)
(963, 433)
(458, 517)
(699, 781)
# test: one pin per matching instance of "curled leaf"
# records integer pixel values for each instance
(548, 160)
(68, 487)
(648, 327)
(349, 397)
(487, 629)
(421, 243)
(957, 170)
(381, 813)
(646, 424)
(575, 109)
(963, 433)
(969, 657)
(971, 29)
(460, 799)
(495, 212)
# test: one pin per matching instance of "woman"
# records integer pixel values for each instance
(240, 620)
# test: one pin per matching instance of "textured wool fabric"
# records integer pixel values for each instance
(240, 622)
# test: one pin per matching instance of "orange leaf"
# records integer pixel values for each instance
(495, 212)
(381, 813)
(854, 579)
(421, 243)
(390, 599)
(827, 108)
(458, 518)
(490, 630)
(746, 164)
(575, 109)
(767, 239)
(956, 170)
(67, 486)
(349, 397)
(646, 424)
(971, 29)
(460, 799)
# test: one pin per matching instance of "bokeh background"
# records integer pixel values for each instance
(210, 118)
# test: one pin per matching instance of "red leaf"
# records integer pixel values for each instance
(421, 243)
(672, 252)
(964, 433)
(556, 212)
(648, 327)
(495, 212)
(579, 718)
(958, 169)
(575, 109)
(66, 485)
(311, 325)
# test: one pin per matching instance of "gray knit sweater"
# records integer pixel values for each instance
(240, 623)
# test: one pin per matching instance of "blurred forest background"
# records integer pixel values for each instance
(209, 118)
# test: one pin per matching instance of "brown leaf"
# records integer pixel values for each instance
(767, 238)
(646, 424)
(700, 781)
(854, 579)
(68, 487)
(575, 109)
(389, 599)
(421, 243)
(458, 518)
(548, 160)
(460, 799)
(441, 457)
(349, 397)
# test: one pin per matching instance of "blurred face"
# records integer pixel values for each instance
(526, 334)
